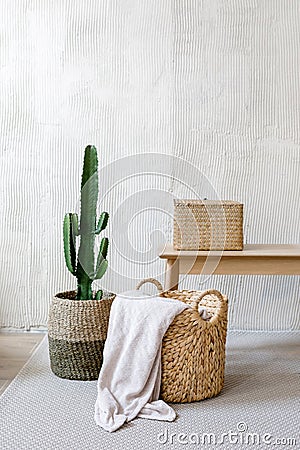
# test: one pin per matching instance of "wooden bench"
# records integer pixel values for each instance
(255, 259)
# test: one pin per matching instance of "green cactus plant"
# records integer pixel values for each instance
(82, 265)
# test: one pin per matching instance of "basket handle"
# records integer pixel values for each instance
(150, 280)
(212, 292)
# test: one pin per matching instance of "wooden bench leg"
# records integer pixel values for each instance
(172, 274)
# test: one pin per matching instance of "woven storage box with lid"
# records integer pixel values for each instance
(208, 225)
(77, 332)
(193, 349)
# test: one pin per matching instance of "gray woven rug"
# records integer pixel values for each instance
(258, 407)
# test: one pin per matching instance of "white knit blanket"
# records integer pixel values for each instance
(129, 380)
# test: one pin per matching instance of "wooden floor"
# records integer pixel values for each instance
(15, 350)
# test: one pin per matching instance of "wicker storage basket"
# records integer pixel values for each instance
(193, 349)
(208, 225)
(77, 331)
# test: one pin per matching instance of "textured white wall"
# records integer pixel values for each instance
(214, 82)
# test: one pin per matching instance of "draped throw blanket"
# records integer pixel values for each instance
(129, 380)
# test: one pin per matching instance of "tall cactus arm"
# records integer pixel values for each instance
(90, 164)
(101, 268)
(69, 242)
(89, 194)
(103, 248)
(88, 203)
(102, 222)
(101, 257)
(75, 224)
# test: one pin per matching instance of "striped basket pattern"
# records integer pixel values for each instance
(77, 332)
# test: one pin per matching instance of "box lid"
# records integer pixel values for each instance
(193, 202)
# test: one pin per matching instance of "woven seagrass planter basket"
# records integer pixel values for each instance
(193, 349)
(208, 225)
(77, 332)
